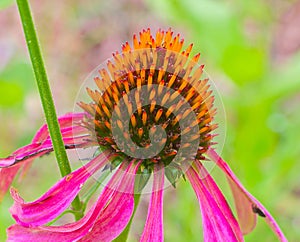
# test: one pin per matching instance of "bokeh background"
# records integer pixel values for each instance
(251, 51)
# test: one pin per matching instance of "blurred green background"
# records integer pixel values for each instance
(251, 51)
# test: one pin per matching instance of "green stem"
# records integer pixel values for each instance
(124, 235)
(45, 94)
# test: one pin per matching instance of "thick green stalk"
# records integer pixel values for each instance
(46, 95)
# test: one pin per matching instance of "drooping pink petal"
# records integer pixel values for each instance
(108, 217)
(65, 122)
(57, 198)
(8, 174)
(217, 219)
(250, 203)
(24, 169)
(73, 136)
(247, 219)
(117, 212)
(219, 198)
(153, 230)
(6, 177)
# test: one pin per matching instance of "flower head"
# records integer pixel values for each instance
(152, 105)
(152, 114)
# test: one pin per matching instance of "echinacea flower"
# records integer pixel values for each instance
(152, 116)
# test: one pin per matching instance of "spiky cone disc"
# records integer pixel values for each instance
(152, 105)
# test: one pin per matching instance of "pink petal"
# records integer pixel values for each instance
(119, 205)
(250, 203)
(57, 199)
(118, 211)
(218, 221)
(153, 230)
(6, 177)
(8, 174)
(247, 219)
(65, 121)
(73, 136)
(24, 169)
(219, 198)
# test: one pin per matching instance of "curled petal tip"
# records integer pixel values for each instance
(15, 195)
(219, 224)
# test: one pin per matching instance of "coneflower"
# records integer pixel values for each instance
(152, 115)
